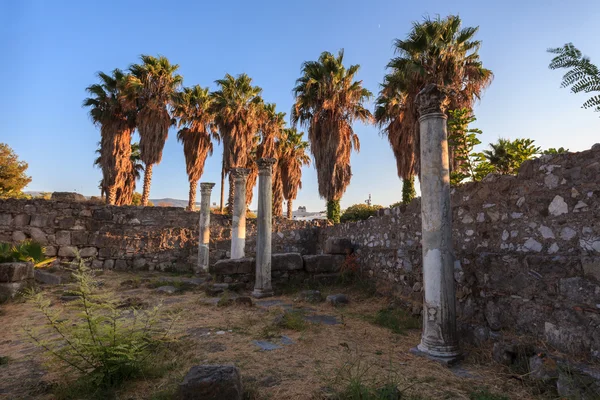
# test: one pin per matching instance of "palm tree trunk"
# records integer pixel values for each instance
(192, 197)
(112, 195)
(147, 181)
(222, 185)
(231, 194)
(289, 209)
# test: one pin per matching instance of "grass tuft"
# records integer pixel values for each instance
(396, 319)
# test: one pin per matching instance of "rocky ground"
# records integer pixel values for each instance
(314, 351)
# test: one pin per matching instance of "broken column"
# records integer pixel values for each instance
(204, 230)
(238, 220)
(262, 283)
(439, 338)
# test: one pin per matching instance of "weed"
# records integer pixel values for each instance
(4, 360)
(107, 345)
(396, 319)
(293, 320)
(226, 300)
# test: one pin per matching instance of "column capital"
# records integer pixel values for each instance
(433, 99)
(266, 163)
(240, 173)
(206, 186)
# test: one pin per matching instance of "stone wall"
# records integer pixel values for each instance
(162, 238)
(527, 252)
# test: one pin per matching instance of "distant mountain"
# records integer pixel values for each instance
(169, 202)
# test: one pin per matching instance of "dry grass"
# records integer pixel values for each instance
(322, 358)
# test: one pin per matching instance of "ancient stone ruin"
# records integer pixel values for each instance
(526, 247)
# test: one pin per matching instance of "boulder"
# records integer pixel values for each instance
(211, 382)
(9, 290)
(323, 263)
(47, 277)
(67, 196)
(310, 296)
(167, 289)
(15, 271)
(337, 299)
(231, 267)
(334, 245)
(286, 262)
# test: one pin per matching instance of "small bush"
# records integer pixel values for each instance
(27, 250)
(293, 320)
(359, 212)
(105, 344)
(396, 319)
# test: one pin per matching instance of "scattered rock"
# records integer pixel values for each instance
(16, 271)
(211, 382)
(337, 299)
(233, 267)
(269, 381)
(542, 368)
(167, 289)
(310, 296)
(47, 277)
(266, 345)
(533, 245)
(243, 301)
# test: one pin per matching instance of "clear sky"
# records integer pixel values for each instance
(51, 51)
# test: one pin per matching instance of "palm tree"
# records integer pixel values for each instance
(152, 86)
(236, 106)
(125, 193)
(583, 76)
(272, 126)
(436, 51)
(192, 107)
(293, 157)
(328, 101)
(117, 123)
(253, 167)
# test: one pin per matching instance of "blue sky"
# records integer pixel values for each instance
(52, 50)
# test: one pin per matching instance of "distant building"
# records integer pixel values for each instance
(302, 215)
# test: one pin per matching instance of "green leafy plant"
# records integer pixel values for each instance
(333, 211)
(26, 251)
(359, 212)
(552, 150)
(105, 344)
(582, 75)
(505, 157)
(408, 190)
(462, 141)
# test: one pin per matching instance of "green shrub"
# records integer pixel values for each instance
(25, 251)
(333, 211)
(359, 212)
(105, 344)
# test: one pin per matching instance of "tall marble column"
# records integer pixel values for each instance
(204, 230)
(439, 338)
(262, 283)
(238, 221)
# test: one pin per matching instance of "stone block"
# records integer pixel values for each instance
(231, 267)
(97, 264)
(88, 252)
(67, 251)
(79, 238)
(67, 196)
(102, 214)
(47, 277)
(18, 236)
(8, 290)
(21, 220)
(109, 264)
(38, 235)
(63, 238)
(323, 263)
(140, 263)
(15, 271)
(334, 245)
(286, 262)
(39, 220)
(121, 265)
(50, 251)
(211, 382)
(337, 299)
(5, 219)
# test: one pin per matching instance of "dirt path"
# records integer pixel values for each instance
(303, 366)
